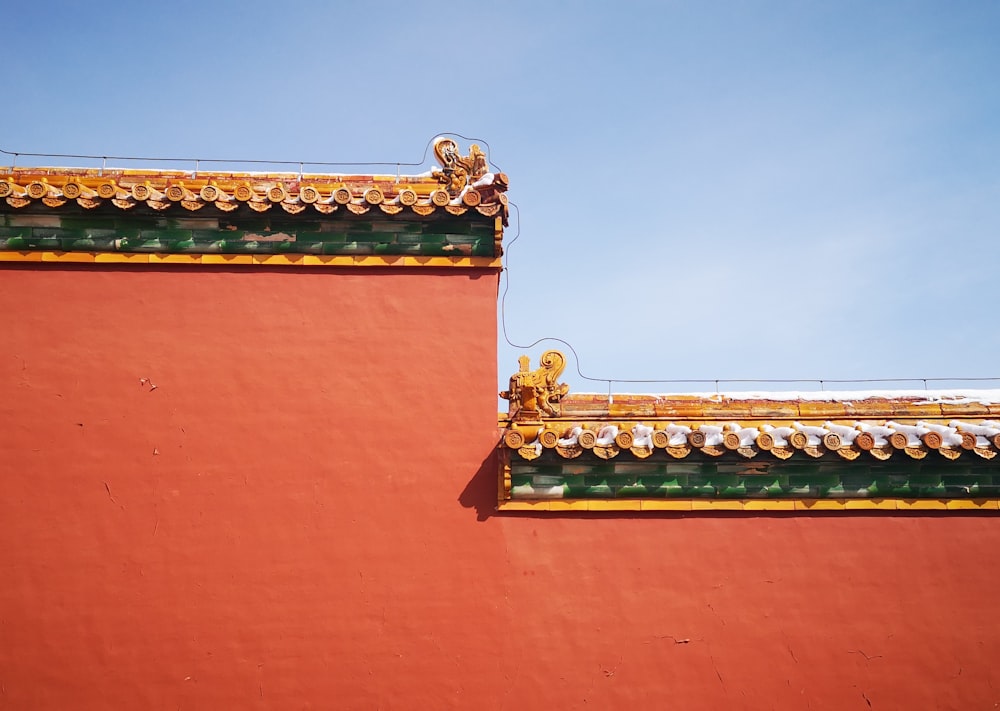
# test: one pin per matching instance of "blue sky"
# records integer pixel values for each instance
(706, 190)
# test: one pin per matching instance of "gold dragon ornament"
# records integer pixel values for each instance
(457, 170)
(537, 391)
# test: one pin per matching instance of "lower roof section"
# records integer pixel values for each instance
(884, 451)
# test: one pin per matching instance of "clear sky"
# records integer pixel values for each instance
(705, 189)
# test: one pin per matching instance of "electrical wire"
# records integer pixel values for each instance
(681, 381)
(506, 264)
(246, 161)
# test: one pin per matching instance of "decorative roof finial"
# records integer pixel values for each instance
(535, 392)
(457, 170)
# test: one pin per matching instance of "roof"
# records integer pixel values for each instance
(912, 423)
(457, 211)
(935, 447)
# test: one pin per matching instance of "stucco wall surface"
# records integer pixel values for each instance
(299, 515)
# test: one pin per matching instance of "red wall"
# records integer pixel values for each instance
(300, 516)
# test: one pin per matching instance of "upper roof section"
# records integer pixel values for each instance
(456, 211)
(460, 184)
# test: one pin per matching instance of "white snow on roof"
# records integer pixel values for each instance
(920, 397)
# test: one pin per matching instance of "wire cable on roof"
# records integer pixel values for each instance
(298, 163)
(682, 381)
(506, 259)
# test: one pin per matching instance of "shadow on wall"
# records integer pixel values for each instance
(481, 491)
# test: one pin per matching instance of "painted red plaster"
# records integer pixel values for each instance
(300, 516)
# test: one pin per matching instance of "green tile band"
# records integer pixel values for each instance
(440, 237)
(781, 481)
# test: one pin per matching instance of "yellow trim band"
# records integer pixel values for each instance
(800, 505)
(309, 260)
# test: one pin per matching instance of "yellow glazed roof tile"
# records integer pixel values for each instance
(461, 185)
(872, 425)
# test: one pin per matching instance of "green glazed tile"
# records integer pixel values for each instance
(165, 236)
(94, 245)
(432, 239)
(44, 242)
(54, 233)
(483, 248)
(216, 235)
(321, 236)
(240, 247)
(149, 245)
(599, 489)
(89, 223)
